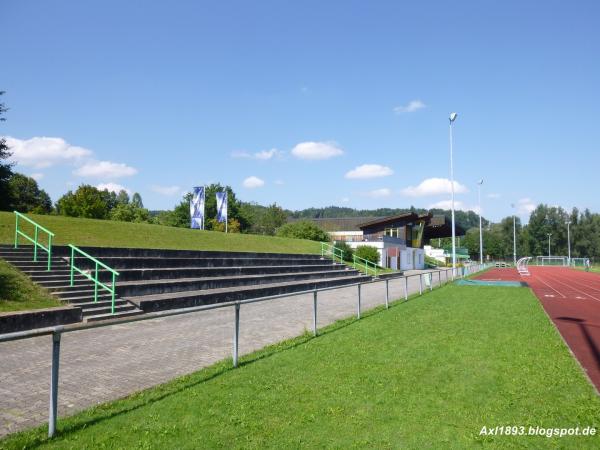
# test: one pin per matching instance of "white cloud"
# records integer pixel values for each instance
(166, 190)
(279, 182)
(345, 200)
(379, 193)
(37, 176)
(413, 105)
(253, 182)
(525, 206)
(113, 187)
(316, 150)
(369, 171)
(263, 155)
(494, 196)
(105, 169)
(267, 154)
(41, 152)
(434, 186)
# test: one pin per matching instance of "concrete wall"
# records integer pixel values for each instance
(11, 322)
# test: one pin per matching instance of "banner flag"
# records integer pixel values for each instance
(197, 208)
(222, 207)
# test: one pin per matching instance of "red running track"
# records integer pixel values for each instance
(572, 300)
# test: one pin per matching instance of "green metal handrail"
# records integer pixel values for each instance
(94, 278)
(332, 250)
(366, 265)
(36, 244)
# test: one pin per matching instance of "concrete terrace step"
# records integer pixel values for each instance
(137, 288)
(188, 299)
(108, 316)
(106, 309)
(80, 297)
(200, 272)
(119, 263)
(101, 252)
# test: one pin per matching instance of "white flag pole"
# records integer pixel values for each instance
(203, 201)
(226, 209)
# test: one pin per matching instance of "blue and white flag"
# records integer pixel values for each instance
(222, 207)
(197, 208)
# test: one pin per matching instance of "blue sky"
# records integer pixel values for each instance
(308, 103)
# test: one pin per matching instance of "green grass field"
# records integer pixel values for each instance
(428, 373)
(18, 293)
(107, 233)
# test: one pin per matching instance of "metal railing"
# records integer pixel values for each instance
(36, 242)
(364, 264)
(57, 331)
(332, 251)
(94, 277)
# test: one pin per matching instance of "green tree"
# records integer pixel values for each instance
(5, 167)
(367, 252)
(137, 200)
(128, 212)
(344, 247)
(270, 220)
(26, 196)
(303, 229)
(86, 201)
(122, 197)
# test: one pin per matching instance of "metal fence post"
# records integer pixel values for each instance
(236, 335)
(420, 284)
(315, 312)
(387, 294)
(439, 278)
(358, 304)
(53, 411)
(430, 275)
(405, 288)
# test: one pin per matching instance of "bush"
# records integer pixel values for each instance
(233, 225)
(348, 251)
(303, 230)
(367, 252)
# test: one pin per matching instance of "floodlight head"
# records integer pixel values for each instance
(453, 117)
(480, 181)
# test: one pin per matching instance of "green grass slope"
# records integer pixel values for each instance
(18, 292)
(106, 233)
(428, 373)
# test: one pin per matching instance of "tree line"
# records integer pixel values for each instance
(532, 238)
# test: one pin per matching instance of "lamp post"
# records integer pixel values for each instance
(514, 236)
(479, 183)
(569, 241)
(452, 119)
(549, 234)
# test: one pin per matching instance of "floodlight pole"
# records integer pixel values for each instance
(452, 119)
(479, 183)
(549, 234)
(514, 236)
(569, 241)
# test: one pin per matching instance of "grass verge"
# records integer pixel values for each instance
(108, 233)
(428, 373)
(18, 292)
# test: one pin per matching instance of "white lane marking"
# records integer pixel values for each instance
(559, 293)
(578, 290)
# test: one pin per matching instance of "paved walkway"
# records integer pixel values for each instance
(108, 363)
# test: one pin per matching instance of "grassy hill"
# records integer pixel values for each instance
(106, 233)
